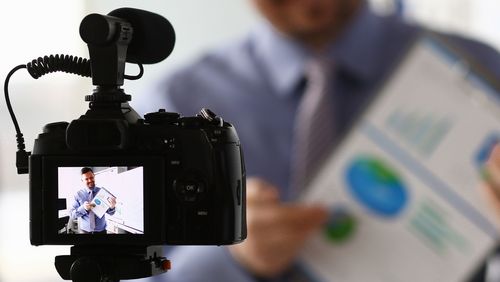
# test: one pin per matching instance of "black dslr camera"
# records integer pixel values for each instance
(163, 179)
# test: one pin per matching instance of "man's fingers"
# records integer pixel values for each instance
(491, 173)
(291, 218)
(305, 216)
(261, 192)
(495, 154)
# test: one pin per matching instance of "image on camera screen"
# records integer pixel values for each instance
(101, 200)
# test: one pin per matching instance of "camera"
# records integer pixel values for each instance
(162, 178)
(182, 176)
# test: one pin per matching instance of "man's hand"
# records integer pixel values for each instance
(112, 202)
(88, 206)
(276, 231)
(491, 184)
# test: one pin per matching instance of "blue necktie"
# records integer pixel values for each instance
(91, 213)
(314, 128)
(314, 134)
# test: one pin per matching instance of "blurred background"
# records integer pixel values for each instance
(31, 29)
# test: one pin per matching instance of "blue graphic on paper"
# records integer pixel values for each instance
(376, 186)
(97, 202)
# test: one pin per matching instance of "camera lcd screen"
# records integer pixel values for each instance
(101, 200)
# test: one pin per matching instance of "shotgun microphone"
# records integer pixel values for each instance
(153, 36)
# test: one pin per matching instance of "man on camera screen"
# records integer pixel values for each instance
(83, 204)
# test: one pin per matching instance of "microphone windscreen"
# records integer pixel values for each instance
(153, 37)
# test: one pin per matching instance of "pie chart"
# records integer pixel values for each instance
(376, 186)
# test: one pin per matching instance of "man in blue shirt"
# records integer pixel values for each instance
(256, 83)
(82, 206)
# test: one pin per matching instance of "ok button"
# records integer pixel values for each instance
(190, 188)
(189, 191)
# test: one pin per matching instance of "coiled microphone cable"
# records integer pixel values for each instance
(37, 68)
(64, 63)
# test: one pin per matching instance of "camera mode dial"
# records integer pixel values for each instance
(211, 117)
(161, 116)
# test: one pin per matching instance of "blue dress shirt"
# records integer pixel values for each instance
(254, 83)
(78, 210)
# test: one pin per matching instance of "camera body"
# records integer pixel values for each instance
(191, 170)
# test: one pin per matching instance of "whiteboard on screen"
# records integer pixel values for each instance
(127, 186)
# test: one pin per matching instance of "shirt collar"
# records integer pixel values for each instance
(283, 58)
(87, 189)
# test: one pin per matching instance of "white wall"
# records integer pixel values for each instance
(479, 19)
(30, 29)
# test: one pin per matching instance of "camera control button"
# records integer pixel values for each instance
(169, 143)
(202, 213)
(174, 163)
(200, 189)
(211, 117)
(189, 191)
(161, 117)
